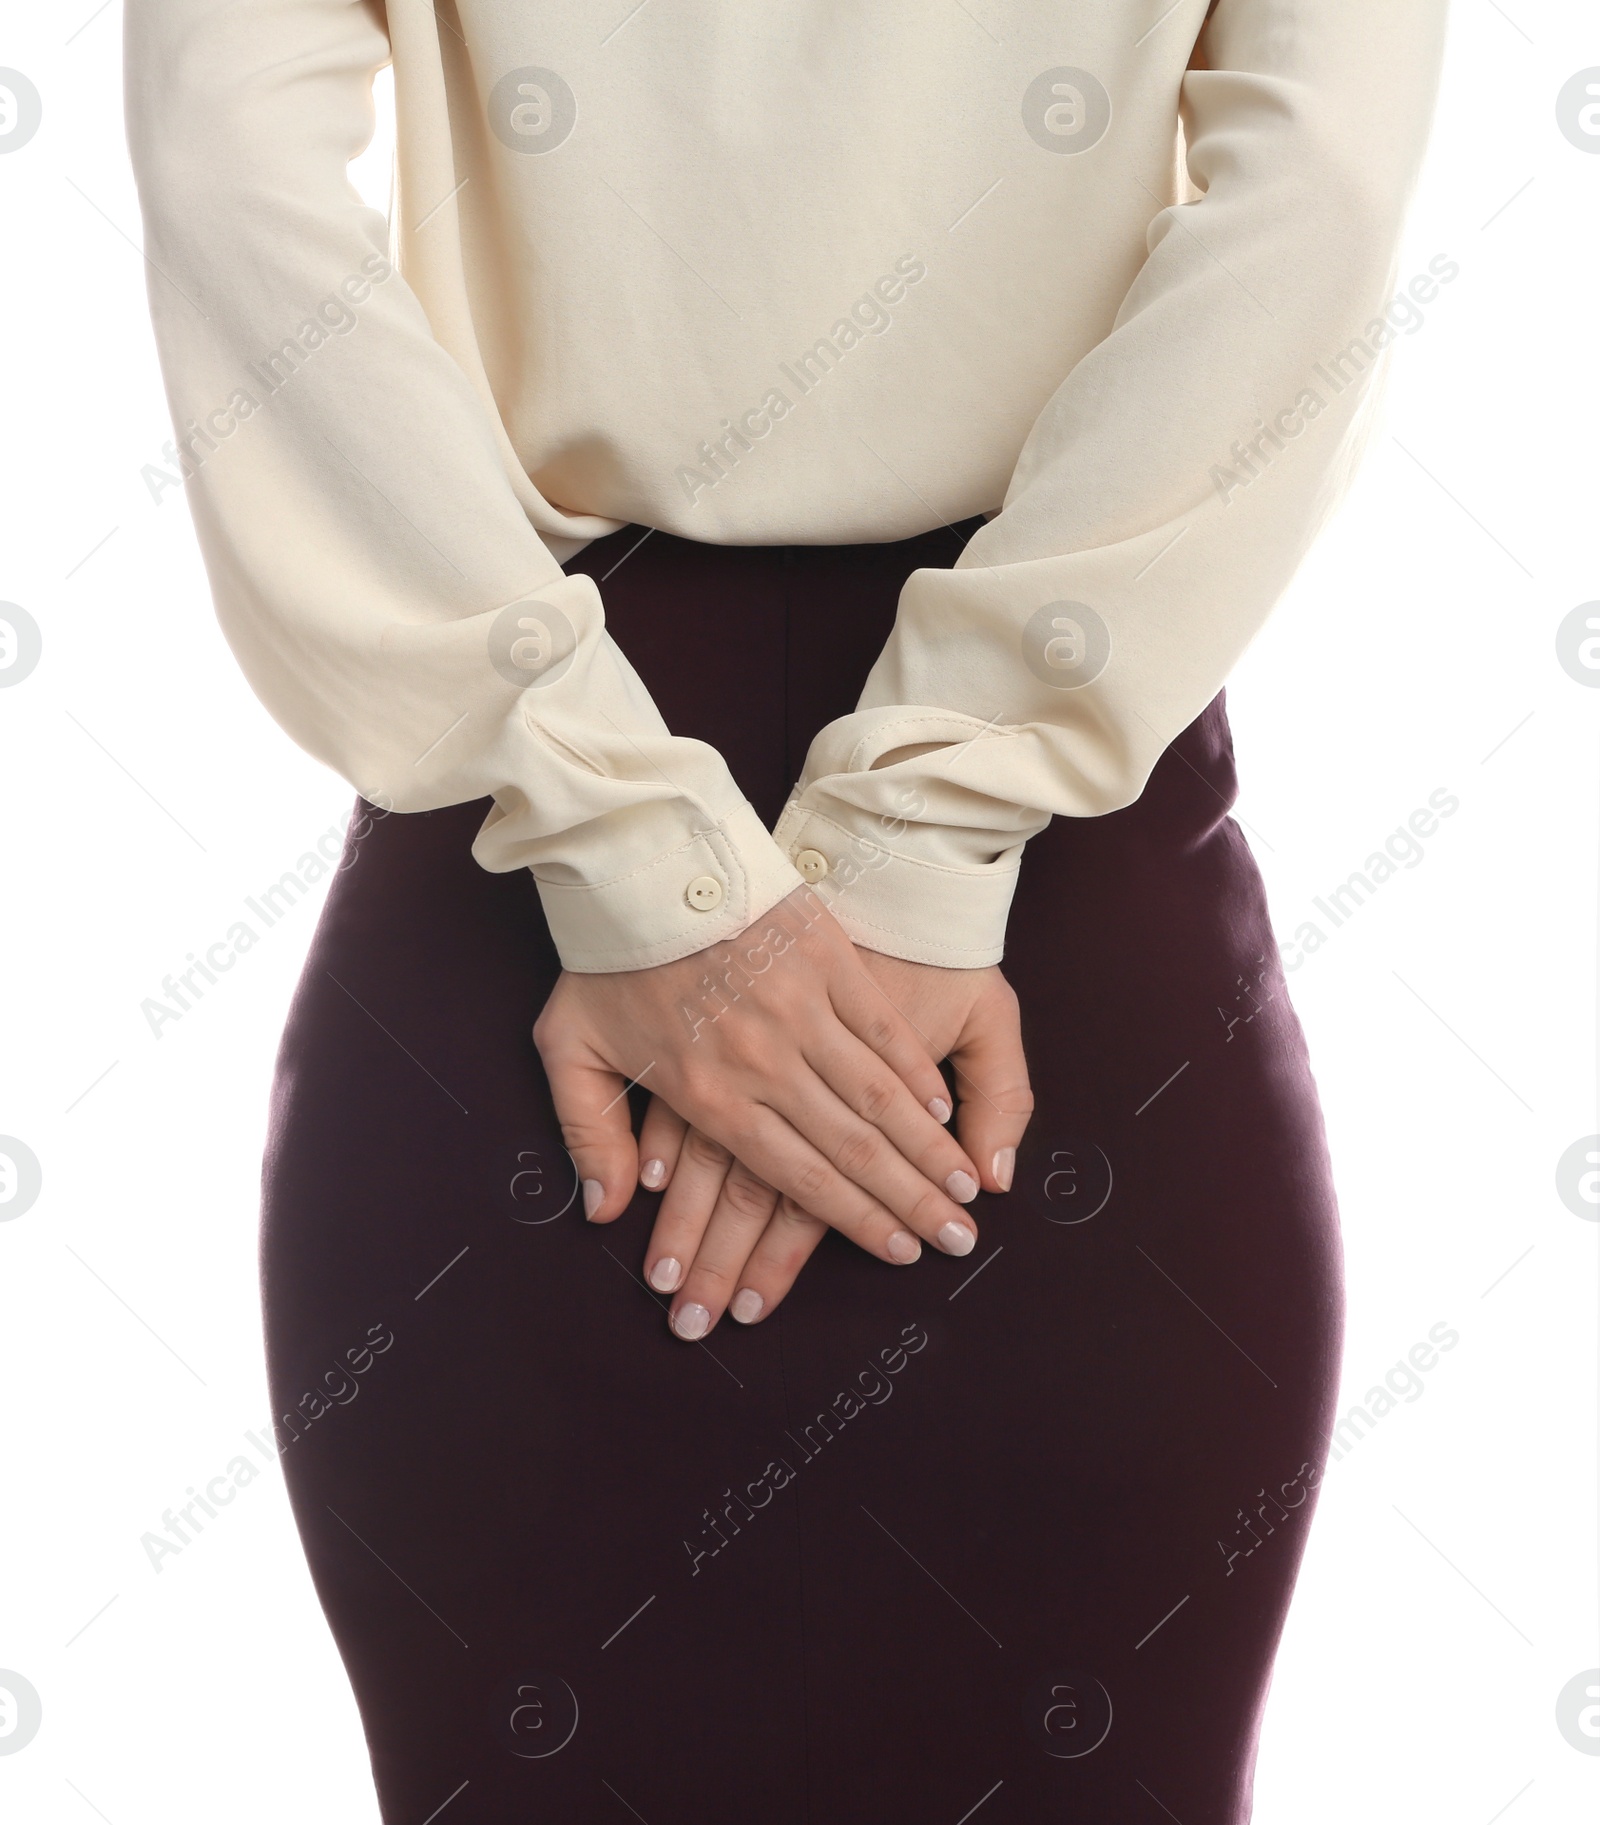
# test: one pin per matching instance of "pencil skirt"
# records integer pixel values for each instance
(1011, 1536)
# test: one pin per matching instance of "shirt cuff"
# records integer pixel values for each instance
(890, 899)
(701, 893)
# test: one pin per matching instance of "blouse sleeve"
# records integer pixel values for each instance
(371, 563)
(1163, 498)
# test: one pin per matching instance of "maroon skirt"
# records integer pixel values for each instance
(1015, 1532)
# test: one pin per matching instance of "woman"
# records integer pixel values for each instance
(925, 406)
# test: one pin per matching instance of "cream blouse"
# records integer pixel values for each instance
(1114, 272)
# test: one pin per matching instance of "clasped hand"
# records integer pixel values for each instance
(796, 1088)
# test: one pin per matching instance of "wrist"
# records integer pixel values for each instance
(699, 893)
(892, 900)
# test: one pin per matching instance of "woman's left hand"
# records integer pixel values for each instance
(725, 1241)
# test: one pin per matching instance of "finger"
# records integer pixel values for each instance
(702, 1165)
(660, 1140)
(776, 1150)
(994, 1098)
(783, 1248)
(747, 1214)
(743, 1205)
(866, 1085)
(864, 1154)
(787, 1243)
(592, 1106)
(865, 1008)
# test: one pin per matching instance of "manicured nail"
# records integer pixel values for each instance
(939, 1109)
(691, 1322)
(1005, 1163)
(666, 1274)
(748, 1305)
(956, 1239)
(652, 1173)
(902, 1248)
(962, 1186)
(594, 1195)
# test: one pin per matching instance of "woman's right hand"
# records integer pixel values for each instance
(780, 1049)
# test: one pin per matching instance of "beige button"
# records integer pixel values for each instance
(812, 864)
(704, 893)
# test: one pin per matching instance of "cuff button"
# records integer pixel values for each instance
(812, 864)
(704, 893)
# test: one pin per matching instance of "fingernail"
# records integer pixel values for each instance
(1005, 1162)
(902, 1248)
(691, 1322)
(962, 1186)
(748, 1305)
(651, 1174)
(939, 1109)
(666, 1274)
(956, 1239)
(594, 1195)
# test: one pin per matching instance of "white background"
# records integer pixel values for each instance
(1451, 1587)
